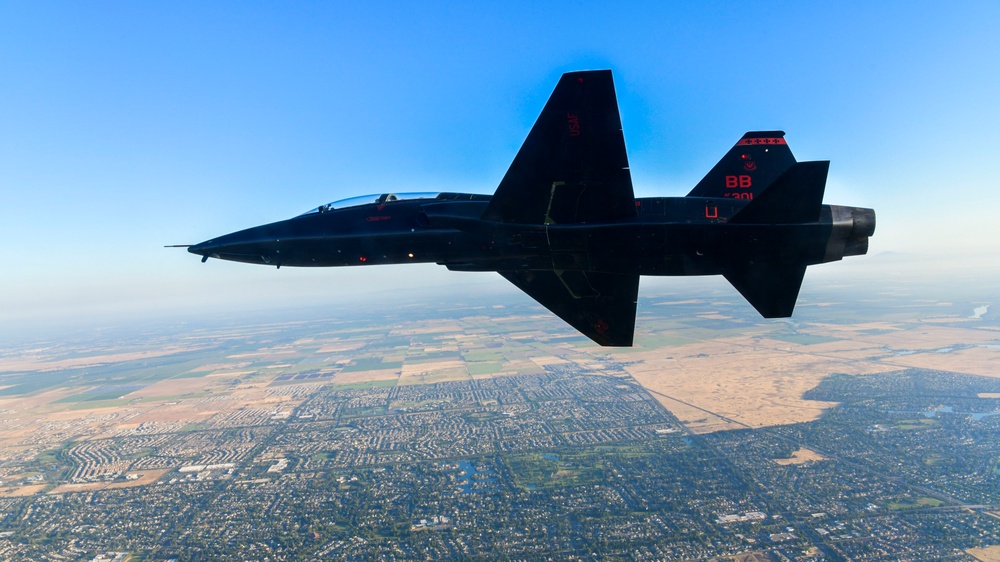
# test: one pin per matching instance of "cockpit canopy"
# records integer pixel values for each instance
(390, 197)
(369, 199)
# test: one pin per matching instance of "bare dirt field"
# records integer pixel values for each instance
(220, 367)
(439, 371)
(974, 361)
(548, 360)
(432, 328)
(751, 557)
(20, 491)
(986, 554)
(355, 377)
(754, 387)
(337, 347)
(801, 456)
(145, 477)
(758, 380)
(42, 364)
(176, 387)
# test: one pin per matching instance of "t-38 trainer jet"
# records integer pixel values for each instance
(565, 227)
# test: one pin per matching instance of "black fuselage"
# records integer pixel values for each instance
(668, 236)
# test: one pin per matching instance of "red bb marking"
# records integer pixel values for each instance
(741, 181)
(600, 327)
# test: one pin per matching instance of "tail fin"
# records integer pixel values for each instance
(748, 168)
(796, 196)
(771, 282)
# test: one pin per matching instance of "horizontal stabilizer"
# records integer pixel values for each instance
(573, 167)
(795, 197)
(771, 288)
(600, 305)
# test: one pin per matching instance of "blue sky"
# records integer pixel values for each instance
(127, 126)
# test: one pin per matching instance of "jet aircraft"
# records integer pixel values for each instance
(565, 227)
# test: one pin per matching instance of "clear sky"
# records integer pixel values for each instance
(127, 126)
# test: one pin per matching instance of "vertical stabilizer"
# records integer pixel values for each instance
(795, 197)
(748, 168)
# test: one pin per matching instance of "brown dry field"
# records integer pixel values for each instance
(20, 491)
(365, 376)
(521, 367)
(145, 477)
(801, 456)
(757, 381)
(34, 401)
(985, 554)
(438, 371)
(544, 360)
(857, 328)
(755, 387)
(930, 336)
(974, 361)
(751, 557)
(433, 328)
(175, 387)
(340, 346)
(231, 373)
(35, 363)
(220, 367)
(174, 413)
(696, 420)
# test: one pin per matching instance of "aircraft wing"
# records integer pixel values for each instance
(599, 305)
(573, 167)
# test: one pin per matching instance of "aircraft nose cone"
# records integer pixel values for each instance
(205, 249)
(199, 249)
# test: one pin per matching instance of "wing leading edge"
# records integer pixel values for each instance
(573, 167)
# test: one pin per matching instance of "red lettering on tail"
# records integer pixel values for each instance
(574, 125)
